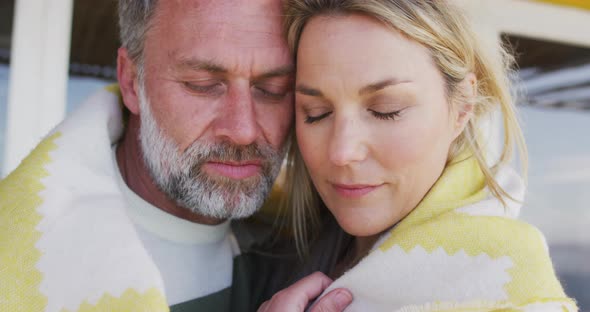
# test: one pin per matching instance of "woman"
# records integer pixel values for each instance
(390, 96)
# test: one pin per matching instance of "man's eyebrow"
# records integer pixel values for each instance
(305, 90)
(200, 65)
(286, 70)
(374, 87)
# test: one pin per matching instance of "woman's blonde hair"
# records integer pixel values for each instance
(456, 51)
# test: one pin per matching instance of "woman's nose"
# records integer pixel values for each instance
(347, 144)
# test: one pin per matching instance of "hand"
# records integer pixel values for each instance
(296, 297)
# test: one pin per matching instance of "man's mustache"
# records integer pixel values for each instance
(199, 154)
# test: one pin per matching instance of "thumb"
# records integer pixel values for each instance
(335, 301)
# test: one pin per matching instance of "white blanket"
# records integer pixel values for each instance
(459, 250)
(66, 243)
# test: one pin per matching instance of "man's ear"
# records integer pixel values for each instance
(127, 76)
(468, 91)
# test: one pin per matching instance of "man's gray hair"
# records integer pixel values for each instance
(134, 21)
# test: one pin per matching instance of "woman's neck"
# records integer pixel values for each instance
(363, 244)
(360, 247)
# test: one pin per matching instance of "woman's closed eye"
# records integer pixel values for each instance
(394, 115)
(385, 115)
(309, 119)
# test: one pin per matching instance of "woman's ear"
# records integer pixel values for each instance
(464, 112)
(127, 76)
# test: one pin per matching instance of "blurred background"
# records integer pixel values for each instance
(55, 53)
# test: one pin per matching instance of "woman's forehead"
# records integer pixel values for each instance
(355, 51)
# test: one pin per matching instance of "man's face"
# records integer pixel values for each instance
(215, 103)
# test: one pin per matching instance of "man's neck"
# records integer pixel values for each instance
(139, 180)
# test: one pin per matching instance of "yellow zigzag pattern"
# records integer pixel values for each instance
(19, 199)
(434, 224)
(20, 279)
(131, 300)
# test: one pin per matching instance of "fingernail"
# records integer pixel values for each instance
(343, 298)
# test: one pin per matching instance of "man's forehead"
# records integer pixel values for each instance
(224, 9)
(216, 47)
(262, 69)
(215, 36)
(240, 22)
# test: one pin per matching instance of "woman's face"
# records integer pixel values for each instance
(372, 120)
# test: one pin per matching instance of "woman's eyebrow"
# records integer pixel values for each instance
(376, 86)
(370, 88)
(305, 90)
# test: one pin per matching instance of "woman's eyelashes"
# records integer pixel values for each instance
(311, 119)
(386, 116)
(394, 115)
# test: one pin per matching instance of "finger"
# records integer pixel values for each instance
(263, 307)
(297, 296)
(308, 288)
(335, 301)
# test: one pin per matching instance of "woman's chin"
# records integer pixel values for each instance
(356, 227)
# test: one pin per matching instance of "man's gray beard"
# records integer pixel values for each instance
(180, 175)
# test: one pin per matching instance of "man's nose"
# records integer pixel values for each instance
(348, 144)
(236, 120)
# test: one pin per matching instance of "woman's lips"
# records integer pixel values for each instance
(234, 170)
(354, 190)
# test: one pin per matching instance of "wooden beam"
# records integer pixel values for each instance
(533, 19)
(582, 4)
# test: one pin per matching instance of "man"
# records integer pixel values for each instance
(129, 211)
